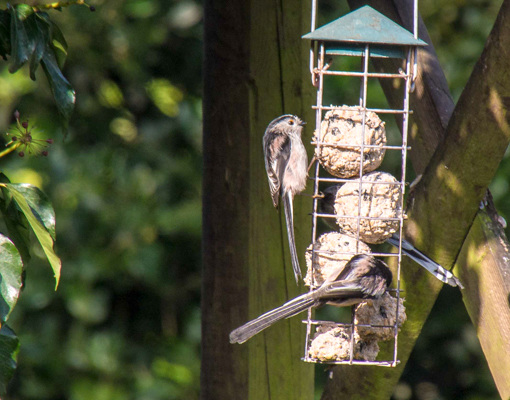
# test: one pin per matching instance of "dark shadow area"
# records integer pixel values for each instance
(447, 361)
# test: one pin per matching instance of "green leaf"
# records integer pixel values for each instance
(38, 34)
(16, 223)
(9, 346)
(20, 42)
(56, 39)
(11, 268)
(42, 234)
(31, 34)
(63, 92)
(40, 205)
(35, 38)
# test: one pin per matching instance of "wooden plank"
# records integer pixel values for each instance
(485, 269)
(279, 86)
(224, 368)
(256, 68)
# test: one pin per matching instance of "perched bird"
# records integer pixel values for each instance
(327, 206)
(363, 277)
(286, 165)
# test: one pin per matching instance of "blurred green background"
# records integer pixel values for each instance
(126, 186)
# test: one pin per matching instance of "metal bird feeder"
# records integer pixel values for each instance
(367, 34)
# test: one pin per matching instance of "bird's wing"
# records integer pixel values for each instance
(277, 152)
(341, 290)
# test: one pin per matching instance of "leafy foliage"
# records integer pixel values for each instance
(9, 346)
(126, 186)
(11, 268)
(10, 273)
(30, 36)
(22, 205)
(40, 215)
(27, 36)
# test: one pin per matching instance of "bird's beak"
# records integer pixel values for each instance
(302, 123)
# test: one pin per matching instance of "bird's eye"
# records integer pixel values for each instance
(291, 122)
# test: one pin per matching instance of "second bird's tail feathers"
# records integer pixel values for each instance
(430, 265)
(289, 309)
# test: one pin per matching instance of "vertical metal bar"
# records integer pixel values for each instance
(415, 54)
(312, 43)
(363, 105)
(314, 14)
(318, 118)
(312, 61)
(415, 68)
(415, 19)
(405, 129)
(351, 349)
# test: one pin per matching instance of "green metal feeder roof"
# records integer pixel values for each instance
(361, 26)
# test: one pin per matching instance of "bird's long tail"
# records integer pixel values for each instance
(430, 265)
(289, 219)
(289, 309)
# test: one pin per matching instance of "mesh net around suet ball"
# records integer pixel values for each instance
(382, 311)
(344, 127)
(381, 201)
(333, 251)
(333, 343)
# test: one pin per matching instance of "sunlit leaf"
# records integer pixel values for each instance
(165, 96)
(42, 234)
(9, 345)
(178, 373)
(11, 268)
(15, 222)
(40, 205)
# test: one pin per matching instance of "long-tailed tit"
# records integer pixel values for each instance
(363, 277)
(286, 165)
(327, 206)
